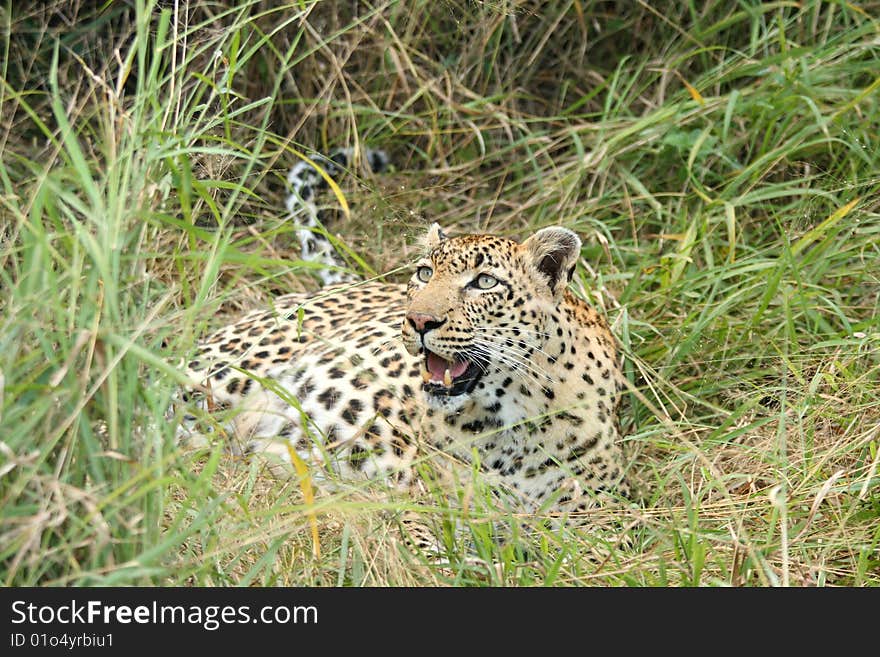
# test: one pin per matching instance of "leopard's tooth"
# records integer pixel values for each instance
(426, 375)
(447, 378)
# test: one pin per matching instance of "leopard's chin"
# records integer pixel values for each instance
(445, 403)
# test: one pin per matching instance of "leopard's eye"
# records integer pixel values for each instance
(424, 274)
(485, 282)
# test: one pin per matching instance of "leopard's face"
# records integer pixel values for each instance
(478, 307)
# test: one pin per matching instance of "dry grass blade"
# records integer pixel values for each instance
(305, 482)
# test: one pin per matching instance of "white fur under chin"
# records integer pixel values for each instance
(445, 403)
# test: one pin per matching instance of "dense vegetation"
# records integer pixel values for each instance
(720, 160)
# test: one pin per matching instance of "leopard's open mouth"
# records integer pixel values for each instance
(448, 378)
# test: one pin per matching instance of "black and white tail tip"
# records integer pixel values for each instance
(305, 183)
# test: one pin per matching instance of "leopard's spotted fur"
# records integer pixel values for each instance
(484, 355)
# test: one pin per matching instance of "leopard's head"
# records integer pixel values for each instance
(480, 306)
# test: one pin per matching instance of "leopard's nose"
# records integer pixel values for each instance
(423, 322)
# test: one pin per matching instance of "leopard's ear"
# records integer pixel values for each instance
(434, 237)
(554, 252)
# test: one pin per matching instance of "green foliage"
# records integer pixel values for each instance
(718, 158)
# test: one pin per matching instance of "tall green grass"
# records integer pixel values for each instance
(720, 160)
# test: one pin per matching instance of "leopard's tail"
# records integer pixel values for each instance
(305, 184)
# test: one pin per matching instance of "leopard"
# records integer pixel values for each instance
(485, 360)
